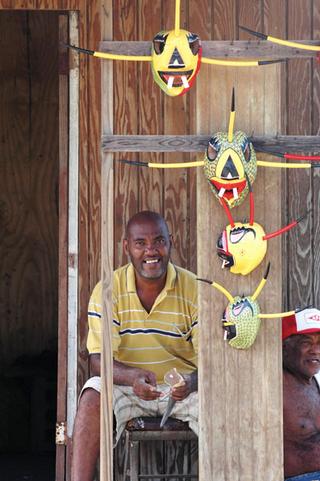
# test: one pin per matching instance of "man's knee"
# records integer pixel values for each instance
(89, 401)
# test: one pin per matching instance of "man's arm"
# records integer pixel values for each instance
(95, 364)
(143, 382)
(191, 385)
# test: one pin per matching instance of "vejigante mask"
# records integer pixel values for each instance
(241, 319)
(242, 246)
(175, 58)
(230, 163)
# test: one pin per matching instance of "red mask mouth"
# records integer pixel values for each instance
(229, 191)
(176, 79)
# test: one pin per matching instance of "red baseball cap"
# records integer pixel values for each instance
(302, 322)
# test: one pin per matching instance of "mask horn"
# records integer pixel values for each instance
(251, 221)
(232, 118)
(278, 314)
(227, 211)
(285, 229)
(262, 283)
(177, 19)
(219, 288)
(280, 41)
(158, 165)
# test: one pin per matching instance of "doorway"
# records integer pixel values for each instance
(29, 243)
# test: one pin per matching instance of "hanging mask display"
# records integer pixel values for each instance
(176, 57)
(241, 319)
(242, 246)
(230, 163)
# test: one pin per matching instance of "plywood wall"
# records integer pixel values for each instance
(28, 184)
(141, 108)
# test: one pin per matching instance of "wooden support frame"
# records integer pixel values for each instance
(73, 235)
(198, 143)
(219, 49)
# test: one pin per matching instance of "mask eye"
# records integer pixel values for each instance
(247, 151)
(194, 43)
(213, 149)
(159, 43)
(230, 330)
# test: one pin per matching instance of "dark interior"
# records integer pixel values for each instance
(29, 175)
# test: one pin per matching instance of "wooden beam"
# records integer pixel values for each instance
(218, 49)
(107, 193)
(240, 410)
(198, 143)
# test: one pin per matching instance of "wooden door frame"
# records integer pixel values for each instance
(68, 241)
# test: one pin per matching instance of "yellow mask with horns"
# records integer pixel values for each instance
(176, 57)
(176, 60)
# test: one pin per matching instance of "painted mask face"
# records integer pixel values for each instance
(241, 322)
(176, 60)
(242, 247)
(226, 165)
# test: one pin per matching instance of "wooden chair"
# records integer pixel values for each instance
(147, 429)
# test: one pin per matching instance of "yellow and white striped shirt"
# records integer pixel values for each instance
(164, 338)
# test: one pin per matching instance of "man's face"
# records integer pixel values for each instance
(148, 246)
(301, 354)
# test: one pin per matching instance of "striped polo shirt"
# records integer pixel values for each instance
(164, 338)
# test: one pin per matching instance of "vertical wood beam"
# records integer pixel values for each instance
(240, 391)
(106, 451)
(63, 241)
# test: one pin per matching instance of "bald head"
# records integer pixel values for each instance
(146, 217)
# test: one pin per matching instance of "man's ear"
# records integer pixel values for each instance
(171, 240)
(125, 246)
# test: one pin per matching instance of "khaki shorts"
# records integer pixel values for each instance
(126, 405)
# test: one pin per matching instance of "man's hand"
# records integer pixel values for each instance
(145, 386)
(191, 384)
(143, 382)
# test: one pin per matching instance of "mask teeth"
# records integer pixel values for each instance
(170, 82)
(185, 81)
(221, 192)
(235, 193)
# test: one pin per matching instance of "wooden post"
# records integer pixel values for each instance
(240, 391)
(106, 455)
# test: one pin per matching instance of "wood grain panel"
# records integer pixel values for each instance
(198, 143)
(316, 174)
(249, 14)
(43, 4)
(217, 48)
(29, 74)
(176, 182)
(299, 184)
(126, 120)
(234, 410)
(149, 101)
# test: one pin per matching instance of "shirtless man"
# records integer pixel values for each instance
(301, 395)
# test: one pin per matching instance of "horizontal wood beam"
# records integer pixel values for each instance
(198, 143)
(218, 49)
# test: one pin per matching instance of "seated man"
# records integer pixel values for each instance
(301, 395)
(154, 330)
